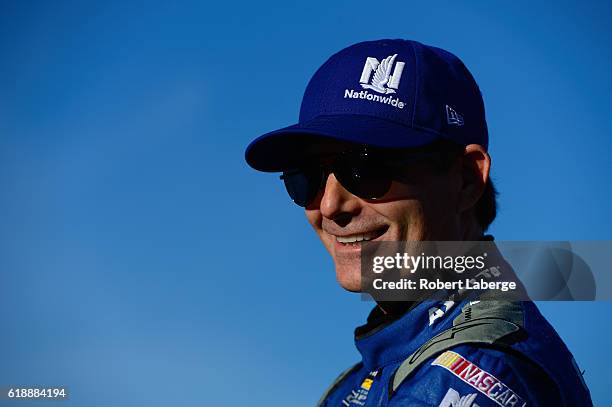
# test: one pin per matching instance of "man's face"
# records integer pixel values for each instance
(422, 207)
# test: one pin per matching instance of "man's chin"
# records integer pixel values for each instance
(349, 278)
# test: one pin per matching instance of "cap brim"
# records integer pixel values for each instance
(283, 149)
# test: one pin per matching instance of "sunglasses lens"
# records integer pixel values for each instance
(366, 179)
(302, 185)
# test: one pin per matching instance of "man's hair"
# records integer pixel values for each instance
(444, 153)
(486, 207)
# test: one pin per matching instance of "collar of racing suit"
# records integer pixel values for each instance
(377, 340)
(393, 339)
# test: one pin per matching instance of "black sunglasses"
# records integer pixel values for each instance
(365, 172)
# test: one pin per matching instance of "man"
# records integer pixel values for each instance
(391, 145)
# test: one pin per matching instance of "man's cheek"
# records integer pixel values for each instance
(328, 241)
(315, 219)
(409, 223)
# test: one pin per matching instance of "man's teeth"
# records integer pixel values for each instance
(355, 238)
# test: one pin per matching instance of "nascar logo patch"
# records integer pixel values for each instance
(479, 379)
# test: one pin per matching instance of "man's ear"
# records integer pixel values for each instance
(475, 167)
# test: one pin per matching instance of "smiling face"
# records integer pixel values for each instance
(426, 206)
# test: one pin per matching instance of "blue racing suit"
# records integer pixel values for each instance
(460, 354)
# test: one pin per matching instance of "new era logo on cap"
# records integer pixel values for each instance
(453, 117)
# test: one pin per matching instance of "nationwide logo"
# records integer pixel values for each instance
(479, 379)
(454, 399)
(376, 76)
(382, 81)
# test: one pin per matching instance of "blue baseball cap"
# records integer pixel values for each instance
(385, 93)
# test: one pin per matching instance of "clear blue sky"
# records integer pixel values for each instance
(143, 263)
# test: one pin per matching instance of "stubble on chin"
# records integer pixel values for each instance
(348, 272)
(349, 278)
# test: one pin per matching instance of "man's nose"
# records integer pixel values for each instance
(336, 201)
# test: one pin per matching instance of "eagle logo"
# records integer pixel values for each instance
(382, 80)
(454, 399)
